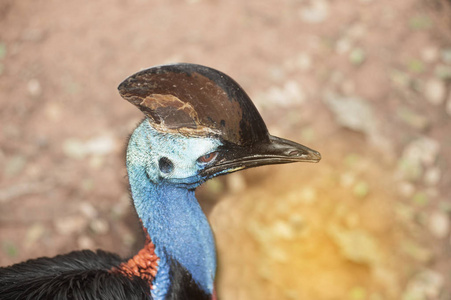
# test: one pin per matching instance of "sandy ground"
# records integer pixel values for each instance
(365, 82)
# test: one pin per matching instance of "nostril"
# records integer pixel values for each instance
(293, 153)
(165, 164)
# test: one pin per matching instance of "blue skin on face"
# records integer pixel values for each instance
(161, 167)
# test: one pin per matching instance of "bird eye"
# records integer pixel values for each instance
(204, 159)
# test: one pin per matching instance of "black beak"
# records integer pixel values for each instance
(274, 151)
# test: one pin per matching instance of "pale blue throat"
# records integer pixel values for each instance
(162, 170)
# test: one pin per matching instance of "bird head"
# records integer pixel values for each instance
(200, 124)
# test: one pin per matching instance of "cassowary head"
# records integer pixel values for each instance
(202, 124)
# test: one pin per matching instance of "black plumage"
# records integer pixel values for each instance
(78, 275)
(86, 275)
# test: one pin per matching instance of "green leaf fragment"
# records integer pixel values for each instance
(420, 22)
(357, 293)
(416, 65)
(443, 72)
(357, 56)
(352, 159)
(361, 189)
(10, 249)
(420, 199)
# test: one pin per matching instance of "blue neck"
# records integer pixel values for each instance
(177, 227)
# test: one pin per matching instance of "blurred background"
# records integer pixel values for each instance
(365, 82)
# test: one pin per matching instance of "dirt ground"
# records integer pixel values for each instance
(365, 82)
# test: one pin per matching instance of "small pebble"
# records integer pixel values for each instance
(412, 118)
(100, 145)
(303, 62)
(85, 242)
(352, 112)
(278, 254)
(316, 12)
(417, 252)
(290, 94)
(34, 233)
(282, 230)
(53, 111)
(74, 148)
(446, 55)
(343, 45)
(439, 224)
(435, 91)
(425, 285)
(97, 162)
(422, 150)
(305, 195)
(119, 209)
(347, 179)
(236, 182)
(406, 189)
(432, 176)
(429, 54)
(70, 225)
(128, 239)
(357, 31)
(88, 210)
(99, 226)
(357, 245)
(308, 195)
(34, 88)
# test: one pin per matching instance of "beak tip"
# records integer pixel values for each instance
(316, 156)
(311, 156)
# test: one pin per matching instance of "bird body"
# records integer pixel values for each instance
(199, 124)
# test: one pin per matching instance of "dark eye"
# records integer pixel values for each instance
(207, 157)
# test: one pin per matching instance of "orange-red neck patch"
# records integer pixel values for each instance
(144, 264)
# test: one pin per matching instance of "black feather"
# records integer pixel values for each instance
(79, 275)
(183, 286)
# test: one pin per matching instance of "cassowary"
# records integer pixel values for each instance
(199, 123)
